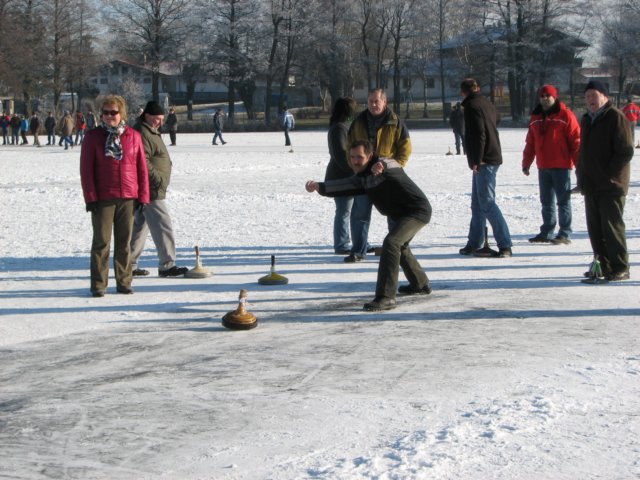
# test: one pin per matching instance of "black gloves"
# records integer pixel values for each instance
(92, 207)
(139, 207)
(525, 171)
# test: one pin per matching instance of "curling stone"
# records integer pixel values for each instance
(198, 271)
(240, 319)
(273, 278)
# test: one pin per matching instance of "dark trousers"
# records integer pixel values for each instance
(395, 254)
(117, 216)
(287, 140)
(172, 136)
(607, 231)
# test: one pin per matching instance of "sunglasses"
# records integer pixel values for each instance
(111, 113)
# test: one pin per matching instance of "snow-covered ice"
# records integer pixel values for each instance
(511, 369)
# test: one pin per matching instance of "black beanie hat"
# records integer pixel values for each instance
(596, 85)
(153, 108)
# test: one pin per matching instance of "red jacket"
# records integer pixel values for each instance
(553, 138)
(632, 112)
(105, 178)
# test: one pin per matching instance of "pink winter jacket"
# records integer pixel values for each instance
(105, 178)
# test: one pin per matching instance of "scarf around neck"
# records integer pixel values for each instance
(113, 146)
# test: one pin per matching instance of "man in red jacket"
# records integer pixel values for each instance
(554, 141)
(632, 112)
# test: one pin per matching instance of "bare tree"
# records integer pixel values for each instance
(401, 15)
(25, 66)
(231, 26)
(621, 42)
(152, 29)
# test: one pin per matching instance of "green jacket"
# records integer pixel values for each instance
(606, 149)
(391, 137)
(158, 161)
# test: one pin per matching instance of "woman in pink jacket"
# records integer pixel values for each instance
(553, 140)
(115, 181)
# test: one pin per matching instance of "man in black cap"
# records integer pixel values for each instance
(606, 149)
(155, 216)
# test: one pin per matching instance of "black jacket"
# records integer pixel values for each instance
(393, 193)
(606, 149)
(481, 139)
(338, 166)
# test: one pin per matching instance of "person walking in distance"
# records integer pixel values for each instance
(218, 124)
(34, 128)
(172, 125)
(50, 127)
(553, 140)
(484, 156)
(288, 122)
(632, 112)
(155, 216)
(456, 120)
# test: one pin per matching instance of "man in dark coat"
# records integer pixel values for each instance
(155, 217)
(456, 120)
(218, 123)
(484, 157)
(606, 149)
(396, 196)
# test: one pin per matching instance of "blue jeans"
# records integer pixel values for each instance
(484, 207)
(555, 186)
(459, 141)
(217, 133)
(353, 212)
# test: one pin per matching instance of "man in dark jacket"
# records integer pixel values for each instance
(396, 196)
(606, 149)
(456, 120)
(50, 127)
(218, 123)
(155, 216)
(484, 157)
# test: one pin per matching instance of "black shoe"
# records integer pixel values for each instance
(540, 239)
(174, 271)
(124, 290)
(97, 293)
(140, 272)
(352, 258)
(411, 290)
(214, 144)
(560, 240)
(618, 276)
(467, 250)
(380, 303)
(371, 249)
(342, 252)
(224, 143)
(503, 253)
